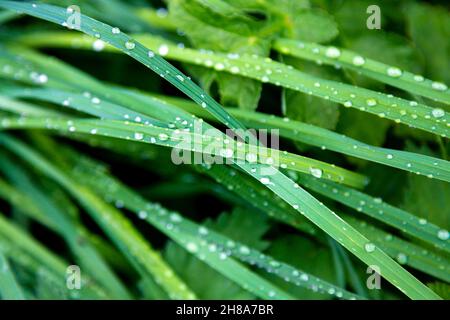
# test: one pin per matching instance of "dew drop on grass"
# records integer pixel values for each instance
(226, 153)
(265, 180)
(418, 78)
(402, 258)
(163, 49)
(192, 247)
(138, 136)
(244, 250)
(394, 72)
(95, 100)
(151, 54)
(389, 156)
(369, 247)
(422, 221)
(304, 277)
(333, 52)
(443, 234)
(130, 45)
(439, 86)
(163, 136)
(371, 102)
(348, 104)
(203, 231)
(115, 30)
(358, 61)
(251, 157)
(437, 112)
(316, 172)
(219, 66)
(234, 69)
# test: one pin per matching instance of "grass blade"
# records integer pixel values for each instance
(391, 75)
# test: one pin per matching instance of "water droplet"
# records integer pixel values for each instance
(234, 69)
(115, 30)
(402, 258)
(151, 54)
(226, 153)
(443, 234)
(265, 180)
(418, 78)
(369, 247)
(422, 221)
(439, 86)
(138, 136)
(394, 72)
(304, 277)
(316, 172)
(203, 231)
(333, 52)
(389, 156)
(163, 49)
(348, 104)
(251, 157)
(437, 113)
(358, 61)
(163, 136)
(143, 214)
(98, 45)
(130, 45)
(219, 66)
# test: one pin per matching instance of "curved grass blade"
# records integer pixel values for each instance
(378, 209)
(243, 187)
(187, 141)
(131, 47)
(9, 288)
(417, 115)
(391, 75)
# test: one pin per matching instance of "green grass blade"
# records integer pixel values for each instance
(131, 47)
(380, 210)
(391, 75)
(326, 139)
(411, 113)
(187, 141)
(161, 218)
